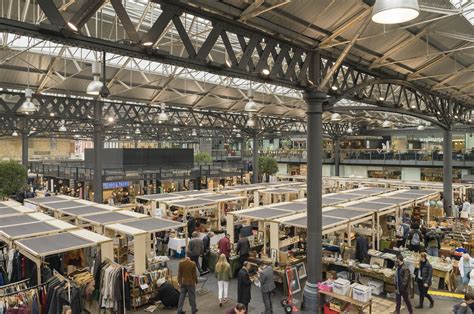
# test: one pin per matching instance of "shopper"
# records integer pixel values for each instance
(195, 248)
(187, 279)
(191, 224)
(462, 308)
(206, 247)
(223, 274)
(244, 286)
(239, 308)
(432, 242)
(243, 249)
(423, 278)
(465, 266)
(415, 238)
(224, 246)
(267, 285)
(167, 294)
(402, 285)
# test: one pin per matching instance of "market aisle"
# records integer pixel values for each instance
(208, 303)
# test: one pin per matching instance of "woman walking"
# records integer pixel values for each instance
(223, 275)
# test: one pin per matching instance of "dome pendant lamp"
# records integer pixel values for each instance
(395, 11)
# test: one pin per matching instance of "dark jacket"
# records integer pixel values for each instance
(410, 236)
(426, 272)
(244, 287)
(168, 295)
(243, 246)
(267, 283)
(187, 273)
(432, 239)
(206, 244)
(195, 247)
(191, 225)
(402, 279)
(362, 249)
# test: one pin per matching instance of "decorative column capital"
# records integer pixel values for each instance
(314, 100)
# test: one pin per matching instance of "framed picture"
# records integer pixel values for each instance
(301, 270)
(293, 280)
(260, 236)
(274, 256)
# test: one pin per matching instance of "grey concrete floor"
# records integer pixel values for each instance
(208, 303)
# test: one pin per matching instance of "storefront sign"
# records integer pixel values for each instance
(115, 185)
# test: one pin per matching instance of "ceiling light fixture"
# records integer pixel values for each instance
(194, 133)
(163, 116)
(387, 124)
(421, 127)
(27, 106)
(413, 106)
(334, 87)
(137, 131)
(147, 44)
(95, 86)
(110, 119)
(395, 11)
(381, 98)
(250, 106)
(266, 72)
(62, 128)
(335, 117)
(349, 129)
(72, 26)
(15, 133)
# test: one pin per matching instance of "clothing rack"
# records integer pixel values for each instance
(23, 290)
(123, 282)
(15, 283)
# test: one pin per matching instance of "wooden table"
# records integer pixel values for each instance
(361, 306)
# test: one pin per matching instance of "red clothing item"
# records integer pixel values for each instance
(224, 246)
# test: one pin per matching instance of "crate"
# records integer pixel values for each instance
(343, 275)
(341, 286)
(376, 286)
(361, 293)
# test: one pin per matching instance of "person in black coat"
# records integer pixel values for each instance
(206, 246)
(167, 294)
(244, 286)
(423, 277)
(362, 249)
(191, 225)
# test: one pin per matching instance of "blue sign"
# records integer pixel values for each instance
(115, 185)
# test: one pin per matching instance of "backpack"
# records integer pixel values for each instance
(415, 240)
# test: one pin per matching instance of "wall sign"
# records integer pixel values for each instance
(115, 185)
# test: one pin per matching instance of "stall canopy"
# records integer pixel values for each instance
(345, 213)
(48, 199)
(23, 219)
(300, 221)
(293, 206)
(66, 204)
(266, 213)
(9, 203)
(61, 242)
(158, 197)
(150, 225)
(192, 193)
(87, 210)
(222, 198)
(111, 217)
(33, 229)
(190, 203)
(14, 211)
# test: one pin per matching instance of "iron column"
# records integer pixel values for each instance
(98, 148)
(448, 171)
(337, 155)
(314, 100)
(255, 159)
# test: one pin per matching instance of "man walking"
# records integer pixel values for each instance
(195, 248)
(423, 278)
(402, 285)
(206, 246)
(243, 249)
(267, 285)
(244, 286)
(224, 246)
(187, 279)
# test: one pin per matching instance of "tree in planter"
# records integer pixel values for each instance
(13, 177)
(267, 165)
(202, 158)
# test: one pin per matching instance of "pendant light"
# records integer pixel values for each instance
(194, 133)
(27, 107)
(95, 86)
(62, 128)
(163, 116)
(335, 117)
(421, 127)
(395, 11)
(137, 131)
(349, 129)
(15, 133)
(250, 106)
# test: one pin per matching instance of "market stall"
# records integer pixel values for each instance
(225, 204)
(153, 202)
(23, 219)
(98, 221)
(33, 229)
(6, 211)
(34, 203)
(53, 207)
(141, 230)
(282, 194)
(37, 248)
(74, 212)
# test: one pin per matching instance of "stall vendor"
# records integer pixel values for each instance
(466, 265)
(167, 294)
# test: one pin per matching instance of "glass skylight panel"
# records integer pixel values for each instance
(468, 8)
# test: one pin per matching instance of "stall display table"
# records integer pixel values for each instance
(360, 306)
(177, 244)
